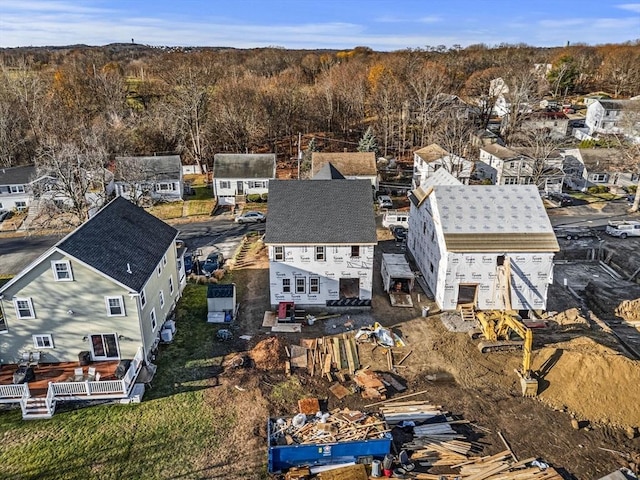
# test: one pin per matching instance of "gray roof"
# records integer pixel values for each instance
(328, 172)
(158, 168)
(119, 237)
(244, 165)
(17, 175)
(610, 104)
(316, 212)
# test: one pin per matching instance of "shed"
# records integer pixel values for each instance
(221, 303)
(397, 279)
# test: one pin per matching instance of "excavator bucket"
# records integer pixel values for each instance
(529, 387)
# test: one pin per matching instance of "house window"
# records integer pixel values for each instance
(286, 285)
(164, 259)
(165, 187)
(314, 285)
(159, 269)
(161, 299)
(511, 180)
(143, 298)
(24, 308)
(256, 184)
(300, 285)
(154, 323)
(431, 267)
(170, 284)
(20, 206)
(599, 177)
(115, 306)
(225, 184)
(42, 341)
(62, 271)
(17, 188)
(355, 250)
(320, 256)
(278, 253)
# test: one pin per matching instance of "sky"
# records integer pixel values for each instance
(383, 25)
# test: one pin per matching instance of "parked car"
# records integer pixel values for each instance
(214, 262)
(623, 228)
(398, 232)
(4, 214)
(561, 199)
(188, 263)
(251, 217)
(384, 201)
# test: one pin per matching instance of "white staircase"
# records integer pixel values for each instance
(36, 408)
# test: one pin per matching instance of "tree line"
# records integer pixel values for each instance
(98, 102)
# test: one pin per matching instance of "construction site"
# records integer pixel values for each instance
(560, 390)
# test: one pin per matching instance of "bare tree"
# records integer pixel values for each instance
(542, 148)
(521, 96)
(75, 178)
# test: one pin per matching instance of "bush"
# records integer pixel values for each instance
(264, 197)
(254, 197)
(598, 189)
(631, 188)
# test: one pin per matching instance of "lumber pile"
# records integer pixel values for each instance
(502, 467)
(337, 426)
(331, 354)
(372, 387)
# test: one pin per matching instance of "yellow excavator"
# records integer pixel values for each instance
(497, 326)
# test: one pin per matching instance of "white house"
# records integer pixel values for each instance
(555, 124)
(605, 116)
(16, 187)
(321, 236)
(156, 177)
(587, 167)
(237, 175)
(431, 158)
(463, 238)
(352, 165)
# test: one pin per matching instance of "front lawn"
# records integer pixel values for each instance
(171, 434)
(168, 210)
(594, 197)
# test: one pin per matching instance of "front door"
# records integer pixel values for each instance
(467, 294)
(104, 346)
(349, 287)
(240, 189)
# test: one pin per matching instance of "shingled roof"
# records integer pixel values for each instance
(17, 175)
(350, 164)
(328, 172)
(119, 239)
(244, 165)
(157, 168)
(312, 212)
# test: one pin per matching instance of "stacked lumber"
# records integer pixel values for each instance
(330, 354)
(502, 467)
(337, 426)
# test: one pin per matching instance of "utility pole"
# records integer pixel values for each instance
(299, 152)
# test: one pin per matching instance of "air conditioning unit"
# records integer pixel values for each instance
(166, 335)
(170, 325)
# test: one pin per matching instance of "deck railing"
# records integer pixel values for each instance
(13, 393)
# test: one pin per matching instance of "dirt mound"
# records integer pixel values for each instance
(570, 316)
(269, 354)
(591, 380)
(629, 310)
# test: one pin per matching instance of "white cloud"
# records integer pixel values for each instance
(632, 7)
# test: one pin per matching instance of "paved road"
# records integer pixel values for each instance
(219, 234)
(588, 216)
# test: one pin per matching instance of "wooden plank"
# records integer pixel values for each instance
(404, 358)
(336, 352)
(354, 349)
(269, 319)
(350, 472)
(326, 368)
(340, 391)
(298, 356)
(308, 406)
(287, 327)
(394, 401)
(350, 360)
(393, 382)
(389, 360)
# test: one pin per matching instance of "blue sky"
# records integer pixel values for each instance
(383, 25)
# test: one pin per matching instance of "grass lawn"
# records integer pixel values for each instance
(592, 198)
(169, 435)
(167, 210)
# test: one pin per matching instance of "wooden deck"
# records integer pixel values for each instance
(57, 372)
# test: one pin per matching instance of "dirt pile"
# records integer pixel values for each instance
(571, 317)
(591, 380)
(629, 310)
(269, 354)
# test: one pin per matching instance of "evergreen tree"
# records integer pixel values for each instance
(368, 142)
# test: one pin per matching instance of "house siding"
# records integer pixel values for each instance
(232, 190)
(300, 262)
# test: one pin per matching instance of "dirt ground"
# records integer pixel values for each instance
(582, 376)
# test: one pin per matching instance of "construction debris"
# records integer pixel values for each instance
(308, 406)
(380, 336)
(372, 386)
(337, 426)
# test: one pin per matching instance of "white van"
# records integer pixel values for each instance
(623, 228)
(395, 217)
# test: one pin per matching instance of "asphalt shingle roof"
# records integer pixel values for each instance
(244, 165)
(328, 172)
(320, 212)
(17, 175)
(350, 164)
(118, 237)
(158, 168)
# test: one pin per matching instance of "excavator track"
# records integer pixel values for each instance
(500, 346)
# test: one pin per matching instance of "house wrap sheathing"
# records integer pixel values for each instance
(463, 237)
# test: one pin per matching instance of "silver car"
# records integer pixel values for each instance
(251, 217)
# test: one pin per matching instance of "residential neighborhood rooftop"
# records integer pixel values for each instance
(348, 163)
(328, 172)
(158, 168)
(499, 151)
(431, 152)
(244, 165)
(320, 212)
(17, 175)
(122, 241)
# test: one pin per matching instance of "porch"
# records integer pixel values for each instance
(57, 382)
